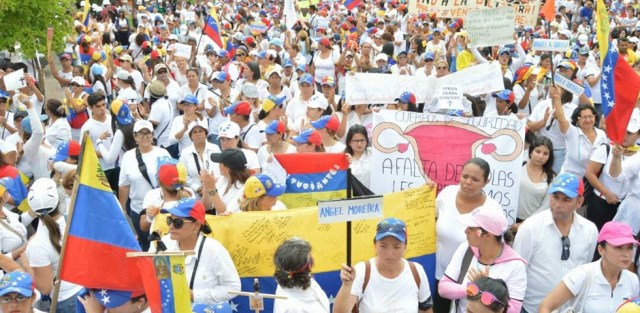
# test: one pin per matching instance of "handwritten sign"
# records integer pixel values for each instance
(558, 45)
(490, 27)
(182, 50)
(449, 98)
(349, 210)
(15, 80)
(366, 88)
(445, 8)
(524, 14)
(408, 147)
(569, 85)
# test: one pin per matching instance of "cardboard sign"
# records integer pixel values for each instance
(558, 45)
(568, 85)
(182, 50)
(349, 210)
(15, 80)
(490, 27)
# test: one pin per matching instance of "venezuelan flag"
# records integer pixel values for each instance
(312, 177)
(212, 30)
(17, 190)
(350, 4)
(85, 13)
(165, 283)
(99, 235)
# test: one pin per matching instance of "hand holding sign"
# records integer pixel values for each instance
(15, 80)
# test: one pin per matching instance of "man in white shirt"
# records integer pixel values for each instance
(161, 113)
(99, 126)
(555, 241)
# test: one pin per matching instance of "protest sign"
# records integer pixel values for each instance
(189, 15)
(15, 80)
(558, 45)
(569, 85)
(449, 98)
(366, 88)
(182, 50)
(409, 146)
(490, 27)
(445, 8)
(349, 210)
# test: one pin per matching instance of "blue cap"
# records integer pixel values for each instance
(262, 54)
(429, 56)
(222, 53)
(309, 135)
(287, 63)
(301, 67)
(97, 70)
(505, 50)
(188, 208)
(407, 97)
(392, 227)
(222, 76)
(306, 78)
(211, 308)
(4, 94)
(122, 113)
(190, 99)
(275, 127)
(506, 95)
(262, 185)
(276, 42)
(567, 183)
(108, 298)
(18, 282)
(66, 149)
(26, 123)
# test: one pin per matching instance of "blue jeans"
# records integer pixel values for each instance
(67, 306)
(558, 159)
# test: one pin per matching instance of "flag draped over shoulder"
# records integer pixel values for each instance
(99, 236)
(212, 29)
(619, 83)
(13, 182)
(312, 177)
(165, 283)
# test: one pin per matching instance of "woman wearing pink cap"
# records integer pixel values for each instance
(604, 285)
(485, 254)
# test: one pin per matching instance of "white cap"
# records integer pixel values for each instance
(381, 56)
(105, 2)
(123, 75)
(565, 32)
(6, 147)
(318, 101)
(583, 39)
(633, 39)
(43, 195)
(142, 124)
(228, 129)
(634, 121)
(198, 123)
(78, 80)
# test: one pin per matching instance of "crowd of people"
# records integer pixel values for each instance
(180, 136)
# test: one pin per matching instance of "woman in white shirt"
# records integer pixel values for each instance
(359, 154)
(261, 194)
(181, 123)
(210, 273)
(601, 286)
(327, 125)
(58, 130)
(43, 250)
(293, 263)
(13, 234)
(224, 192)
(196, 156)
(36, 150)
(535, 179)
(276, 143)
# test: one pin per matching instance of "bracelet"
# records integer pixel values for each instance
(213, 192)
(99, 142)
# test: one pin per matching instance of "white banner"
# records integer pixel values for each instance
(183, 50)
(349, 210)
(560, 45)
(366, 88)
(409, 146)
(490, 27)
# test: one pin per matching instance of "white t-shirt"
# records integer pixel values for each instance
(8, 116)
(130, 175)
(162, 113)
(295, 110)
(519, 92)
(231, 197)
(58, 132)
(361, 168)
(601, 156)
(41, 253)
(188, 158)
(251, 135)
(264, 153)
(554, 133)
(9, 241)
(95, 129)
(383, 295)
(311, 300)
(252, 159)
(176, 126)
(338, 147)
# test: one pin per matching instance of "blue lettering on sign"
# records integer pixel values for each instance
(330, 211)
(363, 209)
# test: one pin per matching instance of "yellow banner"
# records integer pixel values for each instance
(252, 237)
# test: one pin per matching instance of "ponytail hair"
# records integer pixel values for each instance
(55, 235)
(56, 108)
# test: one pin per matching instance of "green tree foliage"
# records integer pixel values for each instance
(26, 22)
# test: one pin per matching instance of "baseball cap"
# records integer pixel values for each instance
(325, 42)
(262, 54)
(306, 79)
(302, 68)
(4, 94)
(142, 124)
(506, 95)
(328, 80)
(223, 307)
(381, 57)
(65, 56)
(189, 99)
(567, 183)
(232, 158)
(630, 306)
(20, 114)
(567, 64)
(67, 149)
(309, 135)
(583, 39)
(260, 185)
(78, 80)
(407, 97)
(616, 234)
(228, 129)
(19, 282)
(634, 121)
(488, 217)
(392, 227)
(222, 53)
(123, 75)
(250, 91)
(222, 76)
(272, 71)
(171, 172)
(504, 50)
(122, 112)
(276, 127)
(428, 56)
(240, 108)
(584, 50)
(188, 208)
(43, 196)
(26, 123)
(565, 32)
(287, 63)
(97, 70)
(108, 298)
(197, 123)
(271, 102)
(125, 57)
(318, 102)
(157, 89)
(327, 121)
(160, 66)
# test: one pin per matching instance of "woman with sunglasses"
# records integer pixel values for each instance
(487, 295)
(293, 262)
(76, 102)
(211, 274)
(491, 256)
(394, 283)
(604, 285)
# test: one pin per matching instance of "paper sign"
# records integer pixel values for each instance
(476, 80)
(490, 27)
(559, 45)
(349, 210)
(568, 85)
(445, 8)
(449, 98)
(189, 16)
(15, 80)
(182, 50)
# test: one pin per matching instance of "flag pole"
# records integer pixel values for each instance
(206, 21)
(349, 195)
(74, 193)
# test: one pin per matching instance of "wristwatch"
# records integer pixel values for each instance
(213, 192)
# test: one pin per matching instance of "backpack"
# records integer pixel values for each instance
(367, 276)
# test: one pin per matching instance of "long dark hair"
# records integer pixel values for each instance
(55, 235)
(355, 129)
(547, 167)
(498, 288)
(127, 132)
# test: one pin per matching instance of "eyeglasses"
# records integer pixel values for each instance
(18, 298)
(241, 55)
(177, 222)
(349, 57)
(144, 134)
(486, 297)
(163, 72)
(441, 68)
(566, 244)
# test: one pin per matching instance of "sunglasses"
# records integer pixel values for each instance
(486, 297)
(163, 72)
(566, 244)
(441, 68)
(241, 55)
(177, 222)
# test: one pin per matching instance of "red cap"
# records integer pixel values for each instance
(325, 42)
(155, 54)
(243, 108)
